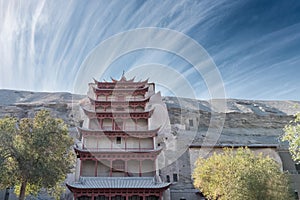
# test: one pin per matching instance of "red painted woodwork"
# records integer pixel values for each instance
(118, 100)
(117, 115)
(120, 92)
(89, 154)
(123, 83)
(113, 192)
(115, 104)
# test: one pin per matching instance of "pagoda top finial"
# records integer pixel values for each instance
(123, 78)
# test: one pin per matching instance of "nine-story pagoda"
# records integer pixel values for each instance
(117, 158)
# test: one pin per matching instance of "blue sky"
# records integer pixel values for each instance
(255, 44)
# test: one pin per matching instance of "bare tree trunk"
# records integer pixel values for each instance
(22, 190)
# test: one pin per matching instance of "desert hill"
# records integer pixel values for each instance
(246, 121)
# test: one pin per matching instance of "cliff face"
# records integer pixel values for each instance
(246, 121)
(25, 104)
(239, 113)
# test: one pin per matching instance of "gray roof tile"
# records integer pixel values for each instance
(118, 182)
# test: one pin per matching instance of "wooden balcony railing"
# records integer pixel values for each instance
(117, 149)
(126, 128)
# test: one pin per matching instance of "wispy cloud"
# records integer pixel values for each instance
(254, 44)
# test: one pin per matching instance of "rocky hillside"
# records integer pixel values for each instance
(247, 118)
(246, 122)
(25, 104)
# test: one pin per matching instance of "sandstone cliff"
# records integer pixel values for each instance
(246, 121)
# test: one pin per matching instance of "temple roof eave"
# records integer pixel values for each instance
(97, 89)
(93, 114)
(102, 183)
(123, 80)
(82, 130)
(116, 102)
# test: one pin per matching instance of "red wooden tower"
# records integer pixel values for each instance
(117, 159)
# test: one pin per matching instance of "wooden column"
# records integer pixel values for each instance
(139, 143)
(111, 142)
(80, 172)
(126, 168)
(96, 167)
(101, 123)
(140, 168)
(113, 124)
(110, 169)
(153, 147)
(124, 125)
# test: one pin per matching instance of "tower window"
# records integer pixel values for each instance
(118, 140)
(175, 178)
(297, 168)
(168, 178)
(296, 194)
(191, 122)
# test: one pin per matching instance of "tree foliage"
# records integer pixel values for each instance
(292, 135)
(34, 153)
(241, 175)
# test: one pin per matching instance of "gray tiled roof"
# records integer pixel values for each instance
(118, 182)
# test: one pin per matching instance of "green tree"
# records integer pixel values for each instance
(34, 153)
(241, 175)
(292, 135)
